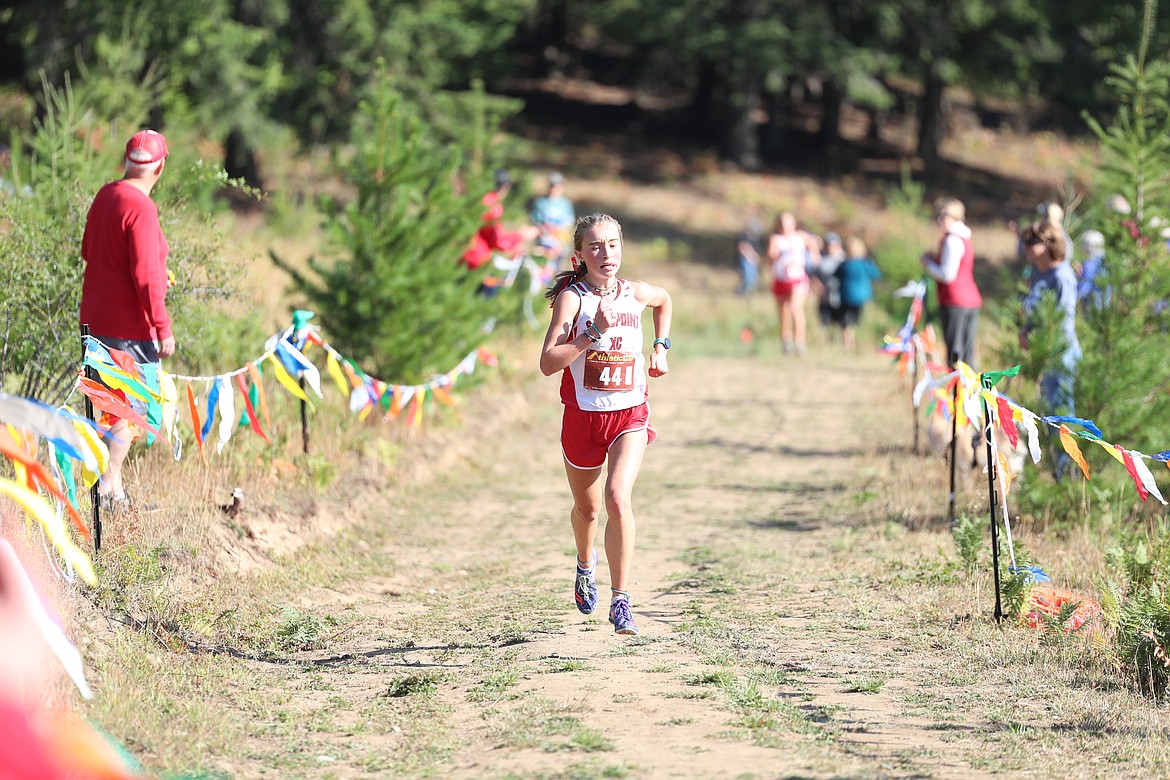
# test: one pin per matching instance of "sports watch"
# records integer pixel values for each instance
(664, 342)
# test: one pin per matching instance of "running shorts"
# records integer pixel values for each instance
(587, 436)
(783, 289)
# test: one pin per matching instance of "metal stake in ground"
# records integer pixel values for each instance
(917, 361)
(992, 476)
(304, 420)
(954, 439)
(94, 498)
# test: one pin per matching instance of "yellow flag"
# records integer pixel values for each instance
(966, 373)
(54, 526)
(1070, 446)
(1005, 473)
(961, 406)
(338, 376)
(417, 417)
(1111, 450)
(96, 446)
(289, 383)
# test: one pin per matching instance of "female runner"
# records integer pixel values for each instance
(595, 340)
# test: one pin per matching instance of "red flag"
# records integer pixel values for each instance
(195, 421)
(248, 408)
(106, 401)
(1127, 459)
(1007, 421)
(259, 382)
(124, 361)
(487, 358)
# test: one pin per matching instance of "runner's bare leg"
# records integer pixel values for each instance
(118, 442)
(585, 485)
(625, 461)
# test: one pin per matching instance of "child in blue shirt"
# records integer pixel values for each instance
(1054, 277)
(857, 273)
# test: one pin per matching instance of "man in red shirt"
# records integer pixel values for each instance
(124, 290)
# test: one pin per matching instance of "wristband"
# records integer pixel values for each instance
(592, 331)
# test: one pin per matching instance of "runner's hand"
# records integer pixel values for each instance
(658, 365)
(605, 316)
(166, 347)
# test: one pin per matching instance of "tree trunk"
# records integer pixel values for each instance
(239, 159)
(776, 131)
(743, 138)
(832, 100)
(708, 103)
(930, 116)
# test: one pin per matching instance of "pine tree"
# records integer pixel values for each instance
(395, 298)
(1124, 375)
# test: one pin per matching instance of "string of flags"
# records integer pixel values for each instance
(150, 399)
(911, 347)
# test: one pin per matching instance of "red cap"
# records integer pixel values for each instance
(146, 147)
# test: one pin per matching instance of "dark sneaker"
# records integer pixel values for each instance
(585, 591)
(622, 618)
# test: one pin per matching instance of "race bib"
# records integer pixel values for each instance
(609, 371)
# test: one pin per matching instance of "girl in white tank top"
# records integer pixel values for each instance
(594, 340)
(611, 374)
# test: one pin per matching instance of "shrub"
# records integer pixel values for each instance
(898, 251)
(40, 241)
(1135, 604)
(394, 296)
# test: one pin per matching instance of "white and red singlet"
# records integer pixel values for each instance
(611, 374)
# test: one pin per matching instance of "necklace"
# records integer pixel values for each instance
(602, 292)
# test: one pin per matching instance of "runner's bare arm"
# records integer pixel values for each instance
(773, 248)
(660, 304)
(559, 349)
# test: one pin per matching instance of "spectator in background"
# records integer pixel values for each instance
(1052, 212)
(747, 257)
(826, 284)
(553, 217)
(553, 212)
(1053, 276)
(791, 251)
(123, 294)
(492, 237)
(7, 186)
(1089, 291)
(856, 273)
(952, 266)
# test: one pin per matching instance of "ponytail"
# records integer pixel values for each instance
(563, 280)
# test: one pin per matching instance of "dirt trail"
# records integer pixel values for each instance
(792, 663)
